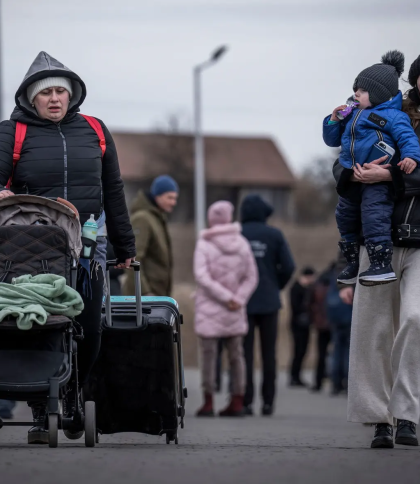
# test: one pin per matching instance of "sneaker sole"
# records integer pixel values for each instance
(407, 441)
(377, 280)
(347, 281)
(382, 444)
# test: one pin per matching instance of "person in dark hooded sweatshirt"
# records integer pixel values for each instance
(62, 156)
(275, 266)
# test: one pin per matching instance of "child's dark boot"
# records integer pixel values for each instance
(380, 270)
(351, 251)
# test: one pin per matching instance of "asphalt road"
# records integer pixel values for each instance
(307, 441)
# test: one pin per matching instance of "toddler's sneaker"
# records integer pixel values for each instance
(351, 251)
(380, 270)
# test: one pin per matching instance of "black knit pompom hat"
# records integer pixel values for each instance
(381, 80)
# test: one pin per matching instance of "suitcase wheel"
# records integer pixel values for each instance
(172, 437)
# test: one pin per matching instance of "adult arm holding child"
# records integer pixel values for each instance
(403, 184)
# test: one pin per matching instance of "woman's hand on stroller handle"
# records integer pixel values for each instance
(5, 194)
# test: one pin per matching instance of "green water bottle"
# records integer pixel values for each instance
(90, 231)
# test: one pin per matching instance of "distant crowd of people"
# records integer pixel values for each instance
(240, 270)
(316, 303)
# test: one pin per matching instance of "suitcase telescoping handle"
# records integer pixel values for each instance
(136, 266)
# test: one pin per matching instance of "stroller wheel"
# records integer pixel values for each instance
(53, 430)
(90, 424)
(73, 436)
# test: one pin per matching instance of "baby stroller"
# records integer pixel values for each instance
(39, 235)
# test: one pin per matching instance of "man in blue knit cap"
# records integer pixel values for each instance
(153, 244)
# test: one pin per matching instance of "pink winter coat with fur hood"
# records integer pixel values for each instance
(224, 269)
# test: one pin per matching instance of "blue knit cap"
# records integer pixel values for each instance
(163, 184)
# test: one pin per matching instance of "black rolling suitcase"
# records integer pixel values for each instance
(138, 379)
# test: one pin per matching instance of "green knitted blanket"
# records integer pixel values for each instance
(32, 299)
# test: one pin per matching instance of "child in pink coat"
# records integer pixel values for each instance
(226, 275)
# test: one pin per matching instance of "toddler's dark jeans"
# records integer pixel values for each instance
(371, 213)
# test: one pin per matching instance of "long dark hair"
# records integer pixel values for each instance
(411, 106)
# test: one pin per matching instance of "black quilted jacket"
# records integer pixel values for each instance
(64, 159)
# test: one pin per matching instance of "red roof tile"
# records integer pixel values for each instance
(233, 161)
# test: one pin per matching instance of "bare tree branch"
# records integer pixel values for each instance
(315, 195)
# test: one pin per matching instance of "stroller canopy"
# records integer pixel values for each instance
(30, 209)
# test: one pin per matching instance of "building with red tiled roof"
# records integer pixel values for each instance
(235, 167)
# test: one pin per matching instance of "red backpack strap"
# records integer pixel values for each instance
(20, 134)
(96, 125)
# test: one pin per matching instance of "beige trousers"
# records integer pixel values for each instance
(236, 357)
(384, 376)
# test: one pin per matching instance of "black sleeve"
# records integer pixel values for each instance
(110, 255)
(7, 142)
(285, 262)
(337, 171)
(405, 185)
(345, 187)
(399, 179)
(118, 224)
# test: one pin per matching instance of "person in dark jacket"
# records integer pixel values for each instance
(300, 295)
(153, 243)
(339, 314)
(61, 157)
(319, 318)
(275, 267)
(384, 379)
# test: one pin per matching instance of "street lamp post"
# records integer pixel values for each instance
(199, 161)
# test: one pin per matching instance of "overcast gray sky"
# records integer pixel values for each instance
(290, 61)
